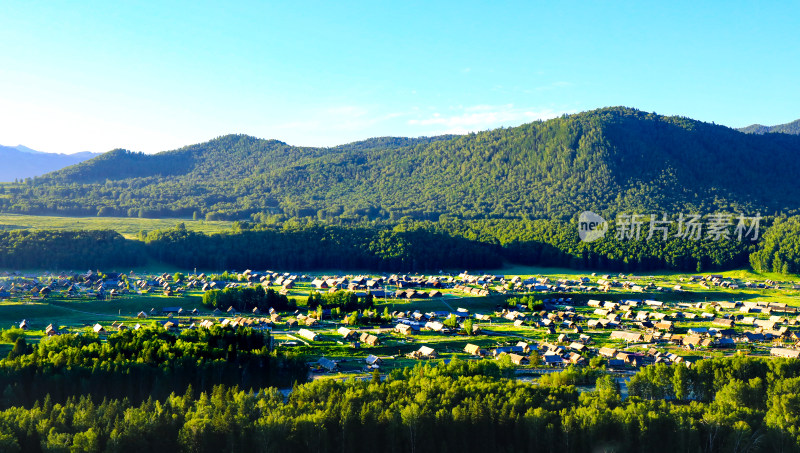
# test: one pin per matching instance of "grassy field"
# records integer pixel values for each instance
(84, 313)
(559, 272)
(126, 226)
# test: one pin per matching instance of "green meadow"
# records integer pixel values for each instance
(126, 226)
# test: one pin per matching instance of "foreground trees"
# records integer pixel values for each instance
(141, 364)
(462, 406)
(779, 250)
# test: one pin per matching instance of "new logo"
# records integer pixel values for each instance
(591, 226)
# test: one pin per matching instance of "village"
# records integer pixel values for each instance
(533, 323)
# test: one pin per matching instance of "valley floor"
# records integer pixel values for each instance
(537, 317)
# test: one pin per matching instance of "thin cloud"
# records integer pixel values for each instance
(352, 111)
(336, 125)
(481, 117)
(554, 85)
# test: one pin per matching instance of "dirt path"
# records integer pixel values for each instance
(448, 305)
(117, 316)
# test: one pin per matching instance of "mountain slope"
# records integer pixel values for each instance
(25, 149)
(230, 156)
(788, 128)
(604, 160)
(20, 162)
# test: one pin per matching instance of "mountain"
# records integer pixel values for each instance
(20, 162)
(606, 160)
(25, 149)
(788, 128)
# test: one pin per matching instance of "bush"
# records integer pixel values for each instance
(11, 335)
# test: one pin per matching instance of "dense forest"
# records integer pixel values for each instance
(315, 246)
(246, 299)
(608, 161)
(25, 249)
(143, 363)
(736, 404)
(418, 246)
(779, 251)
(405, 245)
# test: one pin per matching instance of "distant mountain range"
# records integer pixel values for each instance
(788, 128)
(606, 160)
(20, 162)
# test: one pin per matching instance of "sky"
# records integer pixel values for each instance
(154, 76)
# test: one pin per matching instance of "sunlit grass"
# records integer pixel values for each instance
(83, 313)
(126, 226)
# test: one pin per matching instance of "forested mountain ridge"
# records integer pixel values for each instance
(607, 160)
(788, 128)
(229, 156)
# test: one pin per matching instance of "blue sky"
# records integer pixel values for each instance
(152, 76)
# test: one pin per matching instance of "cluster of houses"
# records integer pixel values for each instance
(475, 285)
(483, 285)
(646, 323)
(471, 290)
(625, 332)
(726, 322)
(640, 324)
(175, 324)
(406, 287)
(567, 351)
(500, 284)
(50, 330)
(549, 354)
(109, 285)
(90, 284)
(643, 324)
(411, 322)
(360, 337)
(371, 362)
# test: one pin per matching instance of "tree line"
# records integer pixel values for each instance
(448, 243)
(406, 246)
(83, 249)
(779, 251)
(138, 364)
(464, 406)
(248, 298)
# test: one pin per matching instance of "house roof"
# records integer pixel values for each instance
(344, 331)
(327, 363)
(552, 358)
(472, 349)
(631, 337)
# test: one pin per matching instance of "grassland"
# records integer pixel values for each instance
(126, 226)
(84, 313)
(655, 276)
